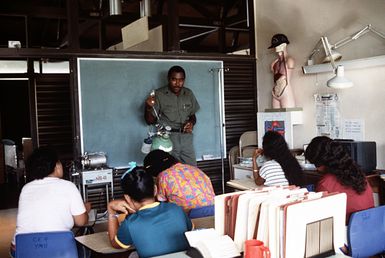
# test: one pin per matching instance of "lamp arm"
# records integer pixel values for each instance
(316, 49)
(312, 54)
(352, 37)
(378, 33)
(328, 51)
(357, 35)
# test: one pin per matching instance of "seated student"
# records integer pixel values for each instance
(153, 228)
(183, 184)
(340, 174)
(281, 167)
(47, 202)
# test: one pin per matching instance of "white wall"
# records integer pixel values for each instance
(304, 21)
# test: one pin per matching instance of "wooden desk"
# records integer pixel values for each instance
(205, 222)
(174, 255)
(99, 243)
(242, 184)
(312, 177)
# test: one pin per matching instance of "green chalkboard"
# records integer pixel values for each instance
(111, 104)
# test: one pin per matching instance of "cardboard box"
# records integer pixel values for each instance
(154, 42)
(135, 32)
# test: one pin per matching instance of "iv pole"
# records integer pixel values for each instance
(221, 120)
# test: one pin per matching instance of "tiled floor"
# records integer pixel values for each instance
(7, 229)
(9, 197)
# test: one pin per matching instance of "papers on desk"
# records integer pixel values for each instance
(246, 161)
(291, 221)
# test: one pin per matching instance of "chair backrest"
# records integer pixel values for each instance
(56, 244)
(248, 139)
(10, 155)
(233, 159)
(366, 232)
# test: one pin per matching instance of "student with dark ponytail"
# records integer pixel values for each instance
(281, 167)
(340, 174)
(153, 228)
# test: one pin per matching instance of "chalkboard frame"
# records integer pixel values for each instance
(90, 80)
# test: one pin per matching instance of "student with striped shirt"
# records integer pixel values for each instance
(280, 167)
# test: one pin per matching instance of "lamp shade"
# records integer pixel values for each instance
(339, 81)
(333, 54)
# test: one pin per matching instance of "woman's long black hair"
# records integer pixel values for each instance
(138, 184)
(157, 161)
(275, 147)
(322, 151)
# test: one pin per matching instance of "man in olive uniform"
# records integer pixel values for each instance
(176, 107)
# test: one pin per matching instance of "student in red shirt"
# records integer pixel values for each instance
(340, 174)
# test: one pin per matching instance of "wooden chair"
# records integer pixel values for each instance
(233, 159)
(247, 143)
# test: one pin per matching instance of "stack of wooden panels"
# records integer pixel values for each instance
(291, 221)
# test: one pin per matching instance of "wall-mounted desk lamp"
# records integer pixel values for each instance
(338, 81)
(323, 53)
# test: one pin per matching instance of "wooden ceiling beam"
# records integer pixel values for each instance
(14, 9)
(201, 7)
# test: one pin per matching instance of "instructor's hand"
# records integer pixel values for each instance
(150, 101)
(188, 127)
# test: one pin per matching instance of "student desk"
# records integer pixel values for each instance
(312, 177)
(99, 243)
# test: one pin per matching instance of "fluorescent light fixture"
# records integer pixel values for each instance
(348, 64)
(339, 81)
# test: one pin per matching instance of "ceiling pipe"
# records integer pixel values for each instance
(115, 7)
(145, 8)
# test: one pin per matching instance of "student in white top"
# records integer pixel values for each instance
(281, 167)
(48, 202)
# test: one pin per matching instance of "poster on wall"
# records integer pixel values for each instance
(280, 122)
(276, 126)
(353, 129)
(327, 115)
